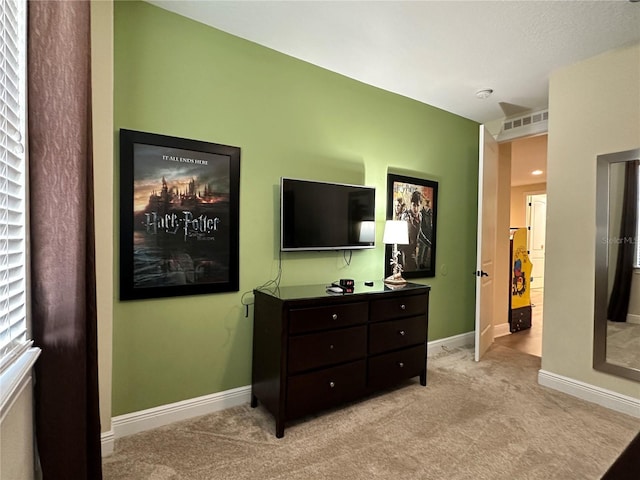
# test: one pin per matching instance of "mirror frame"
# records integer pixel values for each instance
(601, 265)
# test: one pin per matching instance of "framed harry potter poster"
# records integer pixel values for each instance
(179, 216)
(415, 201)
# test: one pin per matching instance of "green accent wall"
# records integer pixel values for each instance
(177, 77)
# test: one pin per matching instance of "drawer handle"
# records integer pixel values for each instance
(402, 333)
(332, 384)
(403, 307)
(334, 316)
(401, 365)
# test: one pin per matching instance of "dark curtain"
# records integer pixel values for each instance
(62, 240)
(619, 300)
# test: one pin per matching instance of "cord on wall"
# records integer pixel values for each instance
(271, 284)
(274, 284)
(344, 256)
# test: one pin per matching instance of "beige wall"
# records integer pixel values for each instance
(529, 153)
(594, 108)
(16, 434)
(103, 140)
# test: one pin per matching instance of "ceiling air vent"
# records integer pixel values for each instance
(524, 125)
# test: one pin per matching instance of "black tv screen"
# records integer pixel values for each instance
(326, 216)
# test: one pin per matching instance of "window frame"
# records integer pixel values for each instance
(17, 354)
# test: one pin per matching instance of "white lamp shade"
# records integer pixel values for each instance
(396, 231)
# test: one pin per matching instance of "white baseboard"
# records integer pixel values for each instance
(136, 422)
(501, 330)
(633, 318)
(107, 440)
(591, 393)
(462, 340)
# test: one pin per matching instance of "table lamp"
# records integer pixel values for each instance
(396, 232)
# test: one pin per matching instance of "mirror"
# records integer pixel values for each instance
(616, 339)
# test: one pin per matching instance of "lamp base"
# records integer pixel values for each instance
(395, 279)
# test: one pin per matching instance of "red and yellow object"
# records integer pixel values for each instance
(520, 271)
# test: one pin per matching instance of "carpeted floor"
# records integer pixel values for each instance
(487, 420)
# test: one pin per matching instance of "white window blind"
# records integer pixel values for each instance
(13, 322)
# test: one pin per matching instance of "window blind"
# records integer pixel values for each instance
(13, 319)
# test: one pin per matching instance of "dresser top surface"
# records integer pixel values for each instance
(299, 292)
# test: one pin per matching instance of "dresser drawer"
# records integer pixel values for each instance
(396, 307)
(326, 388)
(327, 348)
(303, 320)
(395, 334)
(390, 368)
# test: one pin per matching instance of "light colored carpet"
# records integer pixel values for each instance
(487, 420)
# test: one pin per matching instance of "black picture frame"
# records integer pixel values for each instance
(179, 216)
(418, 259)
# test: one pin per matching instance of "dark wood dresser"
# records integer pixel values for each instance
(314, 350)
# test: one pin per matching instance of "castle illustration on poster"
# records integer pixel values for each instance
(181, 217)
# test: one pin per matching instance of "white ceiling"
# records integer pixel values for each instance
(436, 52)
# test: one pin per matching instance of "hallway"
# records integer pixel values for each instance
(530, 340)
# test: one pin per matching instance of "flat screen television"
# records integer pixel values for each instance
(326, 216)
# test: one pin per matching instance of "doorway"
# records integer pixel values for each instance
(528, 203)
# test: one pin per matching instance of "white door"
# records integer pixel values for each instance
(536, 221)
(487, 224)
